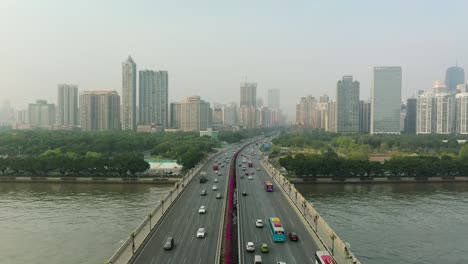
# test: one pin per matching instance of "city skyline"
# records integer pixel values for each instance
(282, 51)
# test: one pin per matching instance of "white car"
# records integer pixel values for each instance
(201, 232)
(259, 223)
(219, 174)
(215, 187)
(250, 178)
(250, 247)
(202, 210)
(258, 169)
(215, 180)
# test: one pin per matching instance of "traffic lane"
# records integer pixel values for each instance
(261, 200)
(293, 222)
(182, 228)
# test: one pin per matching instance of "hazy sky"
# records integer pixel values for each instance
(208, 47)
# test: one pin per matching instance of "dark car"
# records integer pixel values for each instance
(244, 193)
(293, 236)
(169, 243)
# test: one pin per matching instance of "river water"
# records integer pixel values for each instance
(84, 223)
(397, 223)
(70, 223)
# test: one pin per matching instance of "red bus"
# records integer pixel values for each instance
(268, 186)
(250, 164)
(215, 166)
(323, 257)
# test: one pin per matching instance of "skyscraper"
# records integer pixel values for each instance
(364, 116)
(67, 105)
(129, 91)
(462, 113)
(410, 118)
(230, 115)
(425, 114)
(100, 110)
(153, 98)
(248, 94)
(274, 99)
(347, 105)
(453, 76)
(248, 105)
(307, 114)
(386, 100)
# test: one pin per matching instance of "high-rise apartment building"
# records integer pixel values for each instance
(67, 105)
(364, 117)
(265, 117)
(175, 115)
(195, 114)
(307, 114)
(274, 99)
(386, 100)
(453, 76)
(248, 116)
(410, 117)
(444, 105)
(462, 113)
(347, 105)
(216, 117)
(230, 115)
(331, 116)
(7, 113)
(41, 114)
(425, 113)
(100, 110)
(129, 92)
(153, 98)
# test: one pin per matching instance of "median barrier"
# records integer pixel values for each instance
(327, 238)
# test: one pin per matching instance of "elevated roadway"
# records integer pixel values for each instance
(183, 220)
(259, 204)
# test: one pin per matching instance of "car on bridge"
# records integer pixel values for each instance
(250, 246)
(201, 232)
(259, 223)
(264, 248)
(202, 210)
(215, 187)
(203, 192)
(293, 236)
(244, 193)
(215, 180)
(219, 196)
(169, 243)
(250, 177)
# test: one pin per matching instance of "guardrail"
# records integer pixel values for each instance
(329, 240)
(137, 238)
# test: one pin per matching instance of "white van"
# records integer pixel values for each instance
(258, 259)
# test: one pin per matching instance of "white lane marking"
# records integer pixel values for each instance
(185, 260)
(170, 259)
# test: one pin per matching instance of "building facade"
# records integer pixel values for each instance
(129, 92)
(307, 114)
(100, 111)
(410, 117)
(347, 105)
(41, 114)
(195, 114)
(462, 113)
(230, 115)
(153, 98)
(364, 117)
(67, 105)
(386, 100)
(425, 113)
(248, 94)
(444, 104)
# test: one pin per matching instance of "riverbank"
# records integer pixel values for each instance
(97, 180)
(366, 180)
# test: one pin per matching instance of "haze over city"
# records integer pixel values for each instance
(209, 47)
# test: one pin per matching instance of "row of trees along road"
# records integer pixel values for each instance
(330, 164)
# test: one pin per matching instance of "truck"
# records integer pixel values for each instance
(203, 177)
(215, 166)
(250, 164)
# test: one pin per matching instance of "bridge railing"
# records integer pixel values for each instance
(328, 239)
(137, 238)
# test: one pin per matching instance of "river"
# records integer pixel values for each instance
(84, 223)
(397, 223)
(70, 223)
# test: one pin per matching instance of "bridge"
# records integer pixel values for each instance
(230, 221)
